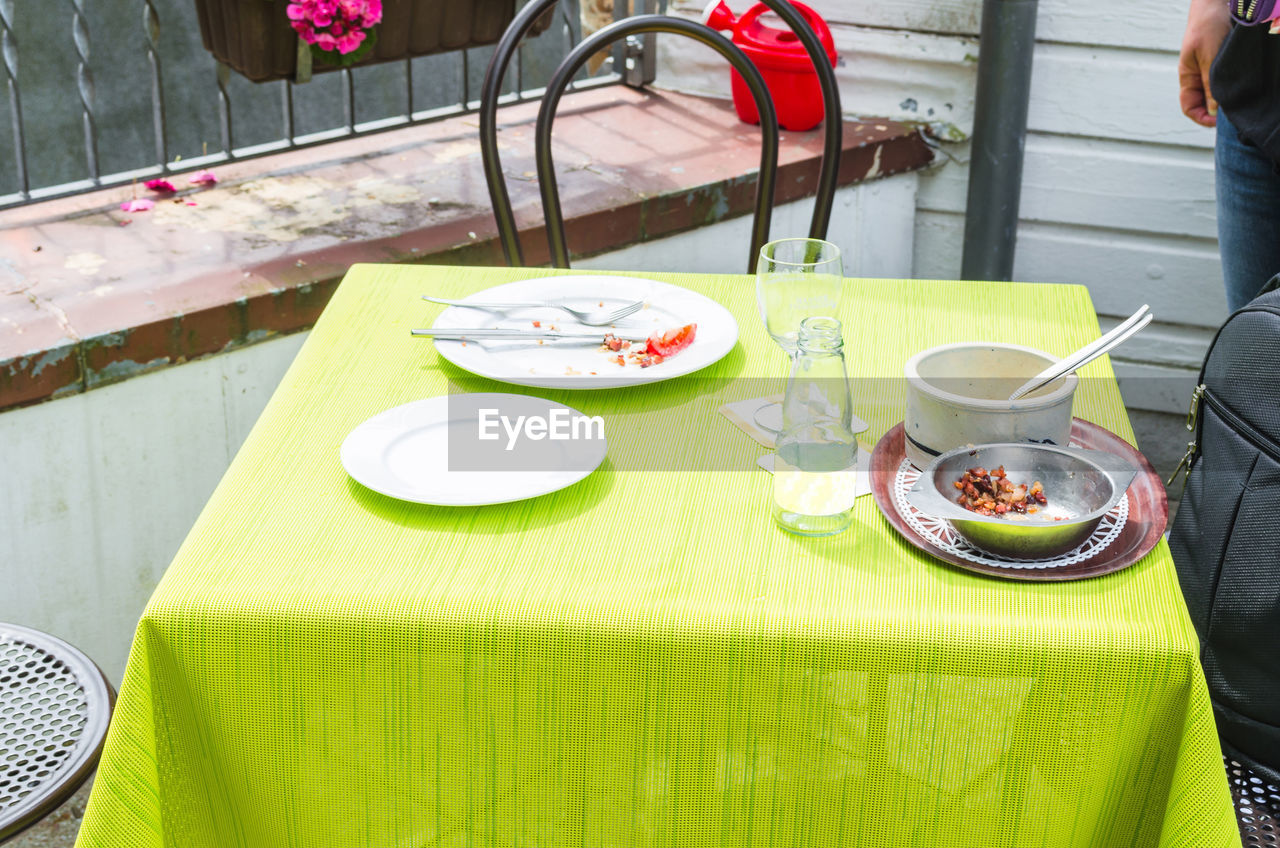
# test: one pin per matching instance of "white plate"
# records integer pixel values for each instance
(428, 451)
(565, 365)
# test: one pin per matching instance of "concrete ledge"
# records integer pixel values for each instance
(90, 295)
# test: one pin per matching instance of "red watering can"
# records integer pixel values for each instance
(781, 59)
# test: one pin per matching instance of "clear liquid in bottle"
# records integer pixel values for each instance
(814, 471)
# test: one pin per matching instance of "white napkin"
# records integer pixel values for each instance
(861, 471)
(743, 415)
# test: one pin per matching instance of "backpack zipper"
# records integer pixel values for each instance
(1244, 428)
(1193, 416)
(1251, 434)
(1252, 12)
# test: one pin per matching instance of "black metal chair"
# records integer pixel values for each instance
(638, 24)
(54, 708)
(1257, 804)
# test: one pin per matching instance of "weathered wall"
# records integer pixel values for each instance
(1117, 184)
(97, 490)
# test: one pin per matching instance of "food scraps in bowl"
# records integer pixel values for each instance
(1082, 485)
(993, 493)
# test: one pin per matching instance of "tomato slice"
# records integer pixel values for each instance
(672, 341)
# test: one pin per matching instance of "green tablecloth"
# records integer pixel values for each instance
(642, 659)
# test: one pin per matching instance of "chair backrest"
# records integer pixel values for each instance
(524, 21)
(1257, 803)
(54, 708)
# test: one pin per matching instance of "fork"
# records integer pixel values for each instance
(592, 318)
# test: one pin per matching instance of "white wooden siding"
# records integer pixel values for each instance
(1117, 183)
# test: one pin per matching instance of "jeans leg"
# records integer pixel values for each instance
(1248, 190)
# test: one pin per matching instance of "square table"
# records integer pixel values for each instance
(643, 658)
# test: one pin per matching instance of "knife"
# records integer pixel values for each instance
(477, 333)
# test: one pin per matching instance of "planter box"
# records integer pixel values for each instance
(254, 36)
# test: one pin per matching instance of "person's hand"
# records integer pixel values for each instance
(1207, 26)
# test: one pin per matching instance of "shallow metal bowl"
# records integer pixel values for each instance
(1081, 486)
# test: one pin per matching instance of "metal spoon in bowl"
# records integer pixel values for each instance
(1086, 354)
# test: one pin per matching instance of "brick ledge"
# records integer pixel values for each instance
(91, 295)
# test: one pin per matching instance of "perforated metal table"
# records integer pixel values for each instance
(54, 708)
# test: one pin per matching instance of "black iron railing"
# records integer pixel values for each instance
(149, 101)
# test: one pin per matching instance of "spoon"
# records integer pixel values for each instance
(1086, 354)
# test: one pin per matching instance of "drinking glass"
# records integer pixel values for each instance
(796, 278)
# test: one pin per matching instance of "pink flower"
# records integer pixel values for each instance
(368, 13)
(140, 204)
(161, 186)
(350, 41)
(205, 177)
(334, 24)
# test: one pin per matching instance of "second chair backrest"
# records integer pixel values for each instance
(563, 74)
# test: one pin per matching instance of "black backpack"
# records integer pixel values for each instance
(1226, 535)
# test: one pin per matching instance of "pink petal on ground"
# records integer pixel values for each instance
(162, 186)
(202, 178)
(140, 204)
(192, 203)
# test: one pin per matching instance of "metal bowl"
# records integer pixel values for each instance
(1081, 486)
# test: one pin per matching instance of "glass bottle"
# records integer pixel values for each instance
(814, 471)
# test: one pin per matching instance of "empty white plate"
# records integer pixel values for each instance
(474, 449)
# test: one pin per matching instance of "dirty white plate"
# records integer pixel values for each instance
(568, 365)
(429, 451)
